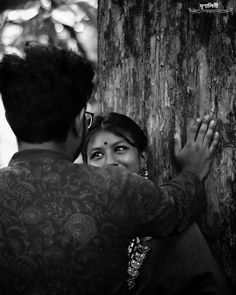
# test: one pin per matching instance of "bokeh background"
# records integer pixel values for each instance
(68, 24)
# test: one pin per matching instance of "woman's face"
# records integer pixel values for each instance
(106, 148)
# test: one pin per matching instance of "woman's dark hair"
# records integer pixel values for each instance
(44, 91)
(120, 125)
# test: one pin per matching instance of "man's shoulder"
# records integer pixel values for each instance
(109, 172)
(4, 171)
(114, 178)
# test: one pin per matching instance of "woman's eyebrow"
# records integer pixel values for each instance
(119, 141)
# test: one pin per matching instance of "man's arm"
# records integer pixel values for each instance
(162, 210)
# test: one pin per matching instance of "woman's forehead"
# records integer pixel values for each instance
(105, 137)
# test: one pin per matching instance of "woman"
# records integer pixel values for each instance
(181, 264)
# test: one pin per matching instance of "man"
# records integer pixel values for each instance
(64, 227)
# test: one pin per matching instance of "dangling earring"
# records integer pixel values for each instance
(144, 171)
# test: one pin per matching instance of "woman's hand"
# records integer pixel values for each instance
(197, 154)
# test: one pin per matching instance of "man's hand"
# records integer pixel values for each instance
(197, 154)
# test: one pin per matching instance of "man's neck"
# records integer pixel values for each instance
(49, 145)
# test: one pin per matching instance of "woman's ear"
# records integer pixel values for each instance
(143, 156)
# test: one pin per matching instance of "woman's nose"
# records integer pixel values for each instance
(111, 160)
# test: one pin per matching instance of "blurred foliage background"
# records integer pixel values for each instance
(68, 24)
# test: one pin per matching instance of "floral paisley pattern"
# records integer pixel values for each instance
(82, 227)
(31, 215)
(65, 228)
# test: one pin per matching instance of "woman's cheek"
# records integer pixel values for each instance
(95, 163)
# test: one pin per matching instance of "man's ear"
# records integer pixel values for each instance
(78, 124)
(143, 156)
(6, 116)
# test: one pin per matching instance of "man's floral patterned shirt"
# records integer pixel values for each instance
(65, 228)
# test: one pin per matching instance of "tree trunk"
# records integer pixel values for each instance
(164, 65)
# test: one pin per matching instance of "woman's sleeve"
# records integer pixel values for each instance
(186, 261)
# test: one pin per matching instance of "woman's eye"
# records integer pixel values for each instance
(96, 155)
(121, 148)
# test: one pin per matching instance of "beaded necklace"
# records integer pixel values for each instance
(137, 253)
(137, 249)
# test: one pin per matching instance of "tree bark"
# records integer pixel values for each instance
(164, 66)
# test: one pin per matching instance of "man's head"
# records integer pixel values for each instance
(44, 92)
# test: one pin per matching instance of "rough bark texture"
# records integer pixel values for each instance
(164, 66)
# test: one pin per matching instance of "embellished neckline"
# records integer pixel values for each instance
(137, 254)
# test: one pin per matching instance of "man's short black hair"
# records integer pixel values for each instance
(43, 92)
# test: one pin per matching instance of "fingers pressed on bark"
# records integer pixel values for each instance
(214, 143)
(194, 130)
(177, 144)
(209, 134)
(202, 130)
